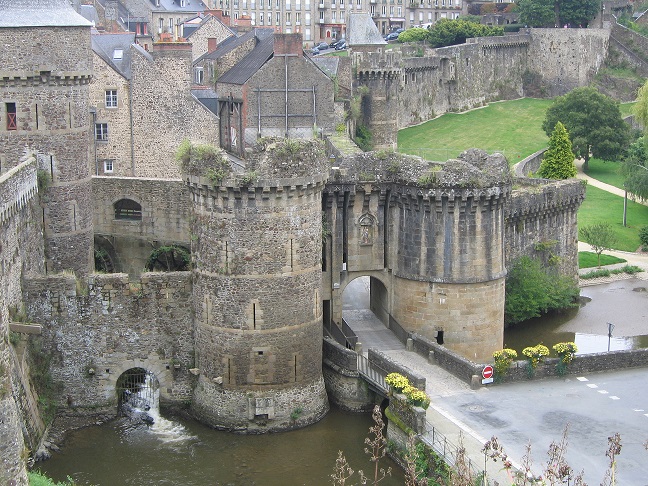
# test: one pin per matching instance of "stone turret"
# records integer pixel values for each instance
(44, 89)
(257, 291)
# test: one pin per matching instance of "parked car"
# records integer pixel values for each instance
(314, 51)
(322, 46)
(398, 31)
(341, 46)
(392, 36)
(336, 42)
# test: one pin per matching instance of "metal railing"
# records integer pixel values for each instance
(453, 455)
(374, 374)
(344, 336)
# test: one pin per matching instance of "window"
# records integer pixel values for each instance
(298, 18)
(108, 166)
(160, 26)
(278, 18)
(118, 54)
(199, 75)
(288, 16)
(101, 131)
(128, 209)
(261, 18)
(11, 116)
(111, 98)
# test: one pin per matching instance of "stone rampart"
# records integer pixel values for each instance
(450, 361)
(530, 164)
(344, 386)
(634, 47)
(166, 216)
(98, 328)
(541, 222)
(566, 58)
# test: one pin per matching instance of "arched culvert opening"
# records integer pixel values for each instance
(365, 312)
(138, 394)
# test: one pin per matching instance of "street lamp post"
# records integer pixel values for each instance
(610, 329)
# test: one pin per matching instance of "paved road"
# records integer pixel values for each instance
(595, 406)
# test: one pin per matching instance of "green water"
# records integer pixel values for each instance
(184, 452)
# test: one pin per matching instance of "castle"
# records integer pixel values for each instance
(274, 239)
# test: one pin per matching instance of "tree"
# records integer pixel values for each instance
(558, 160)
(536, 13)
(447, 32)
(550, 13)
(640, 109)
(531, 291)
(593, 121)
(415, 34)
(599, 236)
(577, 12)
(635, 169)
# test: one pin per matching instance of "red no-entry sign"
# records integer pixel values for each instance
(487, 372)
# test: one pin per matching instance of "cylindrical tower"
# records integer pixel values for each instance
(257, 291)
(44, 106)
(449, 272)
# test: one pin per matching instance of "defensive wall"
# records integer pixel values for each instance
(165, 219)
(95, 329)
(411, 87)
(21, 251)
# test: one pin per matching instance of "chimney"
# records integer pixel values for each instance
(212, 44)
(288, 44)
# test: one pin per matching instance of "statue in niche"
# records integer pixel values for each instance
(366, 230)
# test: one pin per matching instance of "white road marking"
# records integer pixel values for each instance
(592, 385)
(582, 378)
(637, 409)
(604, 392)
(613, 397)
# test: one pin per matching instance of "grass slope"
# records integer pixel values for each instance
(600, 207)
(511, 127)
(587, 259)
(605, 171)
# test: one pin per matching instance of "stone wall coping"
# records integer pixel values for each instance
(392, 366)
(136, 179)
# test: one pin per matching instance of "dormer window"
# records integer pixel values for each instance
(183, 3)
(118, 54)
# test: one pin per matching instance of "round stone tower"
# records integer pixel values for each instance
(449, 272)
(257, 242)
(44, 108)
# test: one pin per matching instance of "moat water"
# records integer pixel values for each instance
(183, 452)
(623, 304)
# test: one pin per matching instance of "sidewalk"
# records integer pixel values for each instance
(372, 333)
(602, 185)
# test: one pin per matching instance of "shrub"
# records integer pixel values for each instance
(535, 355)
(397, 381)
(364, 138)
(566, 351)
(503, 360)
(532, 291)
(643, 237)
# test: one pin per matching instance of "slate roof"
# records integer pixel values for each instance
(362, 31)
(328, 64)
(251, 63)
(231, 43)
(208, 98)
(104, 46)
(192, 25)
(43, 13)
(173, 6)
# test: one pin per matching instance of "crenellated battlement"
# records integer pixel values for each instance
(44, 78)
(18, 186)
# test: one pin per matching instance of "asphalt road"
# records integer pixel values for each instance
(595, 407)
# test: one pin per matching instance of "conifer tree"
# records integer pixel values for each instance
(558, 160)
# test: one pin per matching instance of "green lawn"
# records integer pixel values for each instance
(511, 127)
(587, 259)
(600, 206)
(605, 171)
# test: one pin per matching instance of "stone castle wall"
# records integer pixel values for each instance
(21, 251)
(166, 216)
(407, 90)
(49, 88)
(99, 328)
(541, 222)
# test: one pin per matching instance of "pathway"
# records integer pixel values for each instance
(602, 185)
(372, 333)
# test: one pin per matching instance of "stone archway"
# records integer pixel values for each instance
(139, 388)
